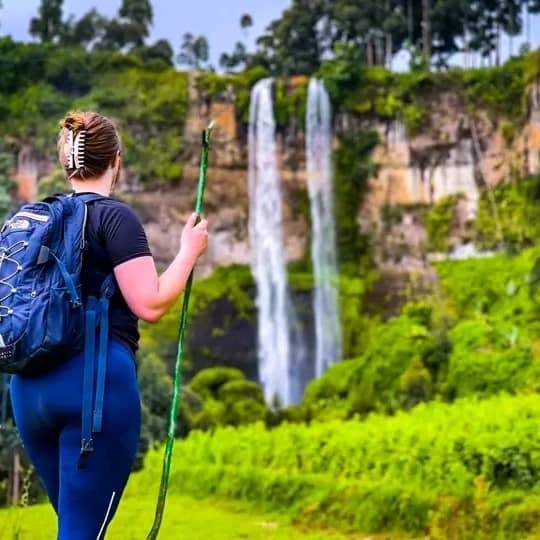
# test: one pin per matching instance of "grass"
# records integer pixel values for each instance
(184, 518)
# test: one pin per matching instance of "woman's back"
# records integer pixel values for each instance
(114, 235)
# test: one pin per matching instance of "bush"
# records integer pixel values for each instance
(437, 469)
(485, 362)
(208, 382)
(227, 399)
(513, 223)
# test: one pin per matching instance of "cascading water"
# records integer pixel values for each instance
(323, 236)
(267, 249)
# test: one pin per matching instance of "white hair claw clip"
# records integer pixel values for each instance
(74, 149)
(78, 149)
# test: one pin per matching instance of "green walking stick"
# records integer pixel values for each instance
(177, 386)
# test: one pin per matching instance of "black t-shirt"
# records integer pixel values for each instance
(114, 235)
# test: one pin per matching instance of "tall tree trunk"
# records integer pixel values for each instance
(15, 490)
(498, 47)
(528, 24)
(426, 29)
(380, 50)
(410, 21)
(370, 52)
(389, 52)
(466, 50)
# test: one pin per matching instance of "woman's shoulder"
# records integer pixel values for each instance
(116, 207)
(113, 216)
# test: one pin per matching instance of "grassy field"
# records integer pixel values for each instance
(184, 518)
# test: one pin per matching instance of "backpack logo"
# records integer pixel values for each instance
(19, 225)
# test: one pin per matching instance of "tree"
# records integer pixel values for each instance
(185, 56)
(84, 31)
(194, 51)
(114, 36)
(130, 28)
(48, 26)
(137, 17)
(433, 30)
(238, 58)
(246, 22)
(294, 44)
(160, 52)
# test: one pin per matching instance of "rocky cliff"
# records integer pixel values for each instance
(453, 152)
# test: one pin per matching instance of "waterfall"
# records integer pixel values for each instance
(267, 250)
(323, 236)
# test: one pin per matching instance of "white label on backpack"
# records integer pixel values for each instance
(2, 342)
(19, 224)
(31, 215)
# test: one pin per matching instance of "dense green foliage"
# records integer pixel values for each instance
(439, 222)
(310, 30)
(475, 334)
(509, 216)
(437, 470)
(148, 100)
(150, 108)
(353, 167)
(227, 399)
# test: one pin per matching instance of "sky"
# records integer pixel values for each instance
(218, 20)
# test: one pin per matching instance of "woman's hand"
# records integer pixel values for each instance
(194, 237)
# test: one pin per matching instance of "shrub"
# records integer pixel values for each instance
(227, 399)
(461, 470)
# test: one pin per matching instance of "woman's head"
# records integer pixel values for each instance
(88, 146)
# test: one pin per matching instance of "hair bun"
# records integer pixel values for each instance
(74, 121)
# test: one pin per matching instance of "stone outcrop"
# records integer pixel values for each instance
(454, 153)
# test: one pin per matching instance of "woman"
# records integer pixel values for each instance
(47, 409)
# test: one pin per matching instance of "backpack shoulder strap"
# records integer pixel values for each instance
(85, 197)
(90, 197)
(97, 315)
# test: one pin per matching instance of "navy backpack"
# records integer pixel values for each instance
(43, 321)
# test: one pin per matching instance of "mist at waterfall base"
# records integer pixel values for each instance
(298, 338)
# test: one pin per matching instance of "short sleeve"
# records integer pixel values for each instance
(123, 234)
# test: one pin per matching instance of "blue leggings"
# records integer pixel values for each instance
(47, 412)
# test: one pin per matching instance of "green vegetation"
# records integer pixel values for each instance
(435, 470)
(7, 184)
(517, 216)
(148, 101)
(475, 334)
(227, 399)
(150, 109)
(184, 518)
(353, 167)
(440, 219)
(429, 425)
(378, 92)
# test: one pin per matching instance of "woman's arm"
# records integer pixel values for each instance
(150, 296)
